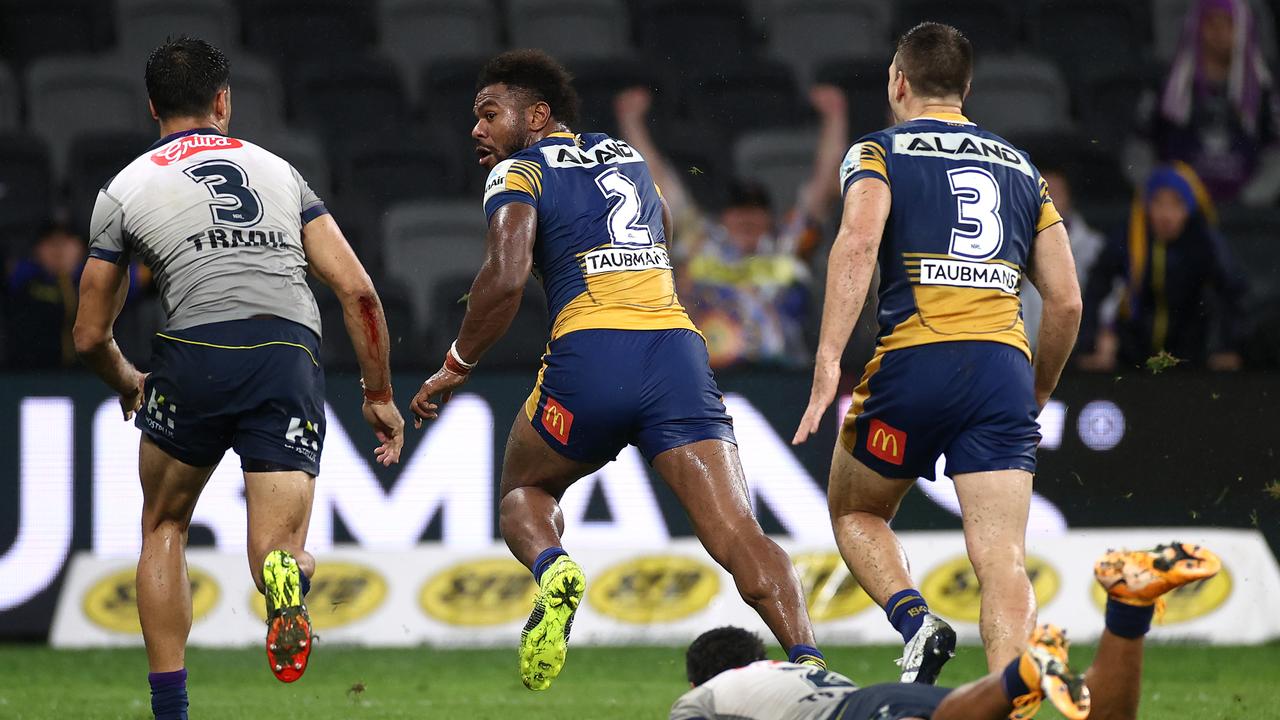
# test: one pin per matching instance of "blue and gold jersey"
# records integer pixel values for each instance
(601, 252)
(966, 207)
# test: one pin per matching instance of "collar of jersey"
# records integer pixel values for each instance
(946, 117)
(174, 136)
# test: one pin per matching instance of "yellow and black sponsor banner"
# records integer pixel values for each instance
(831, 590)
(342, 593)
(654, 588)
(1187, 603)
(952, 589)
(480, 592)
(111, 602)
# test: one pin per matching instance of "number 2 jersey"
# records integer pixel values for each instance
(966, 208)
(601, 251)
(219, 222)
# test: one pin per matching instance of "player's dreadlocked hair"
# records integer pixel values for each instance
(184, 75)
(538, 74)
(721, 649)
(937, 60)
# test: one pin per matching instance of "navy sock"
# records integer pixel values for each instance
(1014, 686)
(544, 560)
(906, 611)
(1129, 621)
(803, 653)
(169, 694)
(305, 583)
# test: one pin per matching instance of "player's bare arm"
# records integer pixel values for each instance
(103, 288)
(332, 260)
(1053, 273)
(849, 271)
(495, 298)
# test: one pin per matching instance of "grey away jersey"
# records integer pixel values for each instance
(766, 690)
(219, 222)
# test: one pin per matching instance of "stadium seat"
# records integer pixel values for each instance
(993, 26)
(294, 32)
(691, 37)
(342, 98)
(427, 241)
(257, 99)
(863, 82)
(10, 101)
(749, 96)
(417, 33)
(1107, 104)
(68, 96)
(599, 81)
(1254, 237)
(304, 152)
(782, 160)
(449, 91)
(806, 33)
(26, 182)
(394, 168)
(30, 29)
(95, 158)
(576, 29)
(524, 343)
(1017, 94)
(1088, 36)
(141, 25)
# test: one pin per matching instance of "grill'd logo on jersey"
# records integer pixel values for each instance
(655, 589)
(112, 602)
(557, 420)
(183, 148)
(960, 273)
(886, 442)
(606, 152)
(480, 592)
(961, 146)
(606, 260)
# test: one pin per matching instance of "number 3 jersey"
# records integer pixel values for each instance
(601, 251)
(219, 222)
(966, 208)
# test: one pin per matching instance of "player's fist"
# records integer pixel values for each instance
(828, 99)
(633, 104)
(131, 399)
(388, 426)
(442, 384)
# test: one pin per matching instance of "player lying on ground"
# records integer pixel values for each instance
(731, 678)
(955, 216)
(625, 363)
(230, 231)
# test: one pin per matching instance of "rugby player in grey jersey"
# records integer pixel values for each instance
(229, 231)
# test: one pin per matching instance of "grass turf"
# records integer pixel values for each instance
(1180, 681)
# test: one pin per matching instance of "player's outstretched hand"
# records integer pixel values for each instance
(131, 401)
(826, 378)
(442, 384)
(388, 425)
(828, 99)
(632, 104)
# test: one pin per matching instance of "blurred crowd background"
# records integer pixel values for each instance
(1154, 122)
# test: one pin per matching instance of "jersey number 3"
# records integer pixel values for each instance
(234, 202)
(625, 228)
(979, 231)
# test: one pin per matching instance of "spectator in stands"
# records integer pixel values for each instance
(40, 303)
(1181, 286)
(1217, 109)
(745, 274)
(1086, 244)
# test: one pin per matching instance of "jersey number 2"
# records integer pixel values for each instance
(234, 202)
(979, 232)
(625, 228)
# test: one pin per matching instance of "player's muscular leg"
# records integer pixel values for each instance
(534, 478)
(707, 478)
(170, 489)
(995, 506)
(279, 505)
(862, 503)
(1115, 678)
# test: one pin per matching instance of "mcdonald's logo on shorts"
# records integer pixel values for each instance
(557, 420)
(886, 442)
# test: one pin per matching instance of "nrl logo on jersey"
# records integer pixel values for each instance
(185, 147)
(605, 152)
(961, 146)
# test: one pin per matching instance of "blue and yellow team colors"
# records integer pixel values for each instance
(951, 373)
(625, 364)
(255, 386)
